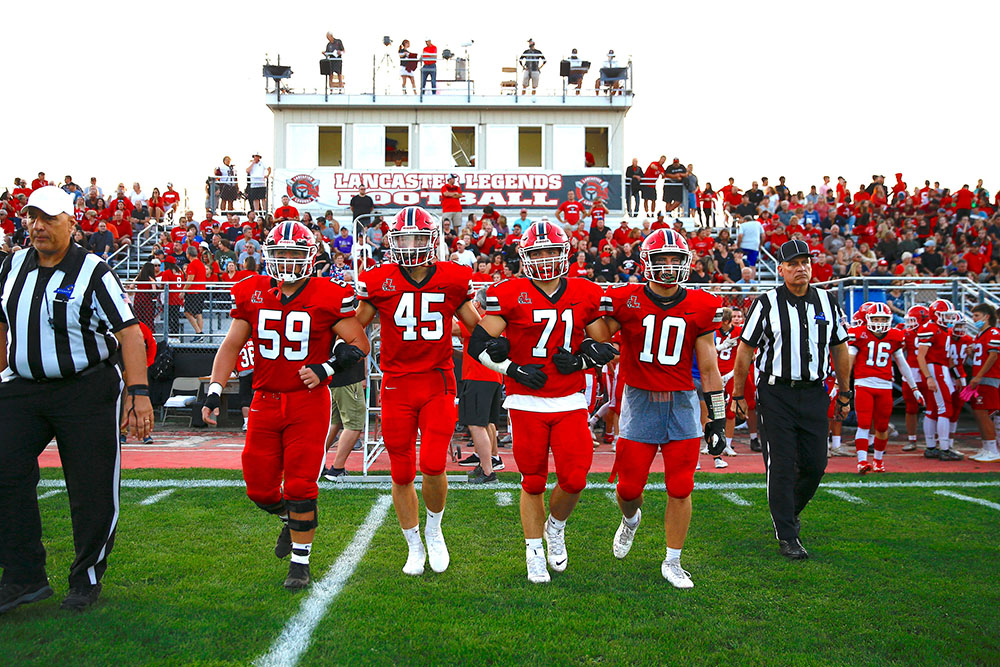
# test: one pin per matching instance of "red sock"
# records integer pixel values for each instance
(861, 444)
(880, 448)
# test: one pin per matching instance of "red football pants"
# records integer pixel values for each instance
(412, 402)
(939, 402)
(633, 460)
(566, 434)
(873, 405)
(285, 441)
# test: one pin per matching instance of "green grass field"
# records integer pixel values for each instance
(906, 577)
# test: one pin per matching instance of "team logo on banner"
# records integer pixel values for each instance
(303, 189)
(592, 188)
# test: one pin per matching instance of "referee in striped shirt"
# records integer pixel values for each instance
(796, 330)
(63, 320)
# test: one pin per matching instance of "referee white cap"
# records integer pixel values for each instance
(51, 201)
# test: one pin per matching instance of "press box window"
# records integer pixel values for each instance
(331, 146)
(529, 147)
(397, 146)
(596, 145)
(463, 146)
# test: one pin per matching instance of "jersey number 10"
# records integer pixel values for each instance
(668, 353)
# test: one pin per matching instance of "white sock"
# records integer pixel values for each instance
(753, 436)
(862, 455)
(879, 453)
(556, 523)
(300, 553)
(673, 554)
(632, 521)
(836, 441)
(954, 426)
(990, 446)
(729, 442)
(246, 420)
(930, 434)
(911, 438)
(412, 536)
(533, 544)
(433, 520)
(944, 433)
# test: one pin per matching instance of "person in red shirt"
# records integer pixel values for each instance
(579, 268)
(815, 246)
(977, 258)
(822, 271)
(570, 211)
(622, 234)
(487, 241)
(285, 211)
(496, 267)
(963, 202)
(488, 214)
(194, 289)
(985, 378)
(206, 225)
(451, 202)
(170, 199)
(121, 227)
(794, 228)
(654, 171)
(659, 224)
(580, 233)
(777, 237)
(702, 244)
(174, 279)
(21, 188)
(482, 271)
(178, 233)
(598, 212)
(39, 182)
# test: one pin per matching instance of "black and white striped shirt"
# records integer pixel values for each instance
(60, 320)
(794, 334)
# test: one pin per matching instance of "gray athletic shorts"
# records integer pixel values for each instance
(659, 417)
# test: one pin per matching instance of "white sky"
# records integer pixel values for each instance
(161, 91)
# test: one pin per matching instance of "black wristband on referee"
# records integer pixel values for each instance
(138, 390)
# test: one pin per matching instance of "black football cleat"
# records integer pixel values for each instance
(792, 549)
(298, 576)
(14, 595)
(755, 445)
(284, 545)
(81, 597)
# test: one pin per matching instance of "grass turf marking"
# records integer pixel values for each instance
(49, 494)
(504, 499)
(978, 501)
(293, 642)
(611, 496)
(844, 495)
(514, 486)
(736, 499)
(156, 497)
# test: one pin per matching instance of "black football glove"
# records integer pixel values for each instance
(212, 402)
(715, 428)
(530, 375)
(498, 349)
(567, 362)
(599, 353)
(346, 356)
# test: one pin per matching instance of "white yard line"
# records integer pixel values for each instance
(49, 494)
(156, 497)
(504, 498)
(294, 640)
(612, 497)
(736, 499)
(970, 499)
(505, 486)
(844, 495)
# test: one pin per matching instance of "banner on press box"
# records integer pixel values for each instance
(333, 188)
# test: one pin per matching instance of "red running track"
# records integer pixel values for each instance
(221, 449)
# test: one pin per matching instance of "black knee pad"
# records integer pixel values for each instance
(278, 508)
(302, 507)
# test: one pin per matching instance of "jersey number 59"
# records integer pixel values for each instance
(295, 328)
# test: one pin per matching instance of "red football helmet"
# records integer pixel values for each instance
(413, 237)
(656, 253)
(916, 316)
(878, 317)
(943, 312)
(546, 236)
(297, 247)
(858, 319)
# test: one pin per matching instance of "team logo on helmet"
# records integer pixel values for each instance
(302, 189)
(591, 188)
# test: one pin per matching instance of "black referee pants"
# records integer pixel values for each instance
(82, 413)
(793, 426)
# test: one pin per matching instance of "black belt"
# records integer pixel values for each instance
(795, 384)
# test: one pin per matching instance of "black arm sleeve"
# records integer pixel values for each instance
(478, 341)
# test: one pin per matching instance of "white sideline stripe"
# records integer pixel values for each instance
(611, 496)
(49, 494)
(699, 486)
(844, 495)
(978, 501)
(504, 498)
(156, 497)
(294, 640)
(736, 499)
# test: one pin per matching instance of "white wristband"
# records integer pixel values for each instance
(485, 360)
(215, 388)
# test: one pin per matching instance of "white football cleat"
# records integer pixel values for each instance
(675, 574)
(729, 451)
(719, 463)
(437, 550)
(555, 541)
(704, 449)
(986, 457)
(415, 561)
(624, 536)
(537, 572)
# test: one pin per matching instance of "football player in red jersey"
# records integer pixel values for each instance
(932, 355)
(726, 341)
(871, 348)
(294, 321)
(959, 350)
(915, 316)
(416, 298)
(985, 380)
(554, 332)
(665, 329)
